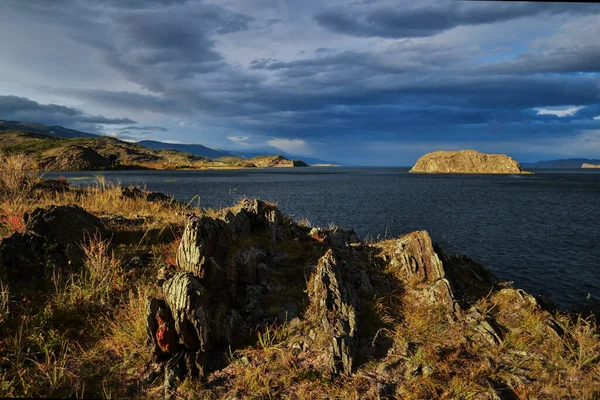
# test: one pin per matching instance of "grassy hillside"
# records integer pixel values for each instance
(99, 153)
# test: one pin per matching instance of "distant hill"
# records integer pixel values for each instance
(102, 152)
(195, 149)
(308, 160)
(561, 163)
(56, 131)
(63, 149)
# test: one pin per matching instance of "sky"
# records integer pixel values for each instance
(368, 82)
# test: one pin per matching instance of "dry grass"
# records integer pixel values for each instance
(18, 175)
(4, 302)
(87, 338)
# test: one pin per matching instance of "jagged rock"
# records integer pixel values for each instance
(228, 324)
(415, 257)
(211, 274)
(485, 327)
(161, 327)
(239, 223)
(131, 192)
(67, 226)
(53, 186)
(340, 237)
(189, 303)
(158, 197)
(261, 213)
(333, 302)
(246, 263)
(26, 260)
(470, 280)
(414, 260)
(204, 237)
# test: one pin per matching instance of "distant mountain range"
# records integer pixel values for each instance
(56, 131)
(194, 149)
(561, 163)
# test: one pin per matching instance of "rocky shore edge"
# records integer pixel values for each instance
(252, 291)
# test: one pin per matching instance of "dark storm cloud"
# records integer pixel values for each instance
(269, 73)
(582, 58)
(23, 109)
(144, 128)
(148, 43)
(430, 19)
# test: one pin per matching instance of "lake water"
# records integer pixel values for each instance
(541, 231)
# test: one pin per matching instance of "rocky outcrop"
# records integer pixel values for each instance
(341, 302)
(67, 226)
(216, 300)
(51, 242)
(587, 165)
(466, 162)
(276, 161)
(334, 302)
(413, 260)
(471, 281)
(152, 197)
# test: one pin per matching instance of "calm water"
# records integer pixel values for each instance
(541, 231)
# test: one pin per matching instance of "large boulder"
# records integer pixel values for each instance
(67, 226)
(51, 243)
(466, 162)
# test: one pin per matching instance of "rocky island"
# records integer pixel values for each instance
(466, 162)
(587, 165)
(115, 291)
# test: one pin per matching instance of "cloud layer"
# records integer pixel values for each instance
(370, 82)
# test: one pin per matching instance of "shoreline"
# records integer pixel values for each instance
(277, 296)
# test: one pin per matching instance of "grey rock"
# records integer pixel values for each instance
(334, 304)
(202, 238)
(238, 223)
(246, 263)
(189, 303)
(263, 273)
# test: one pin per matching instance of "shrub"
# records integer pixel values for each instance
(18, 176)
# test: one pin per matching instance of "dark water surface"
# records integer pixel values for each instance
(541, 231)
